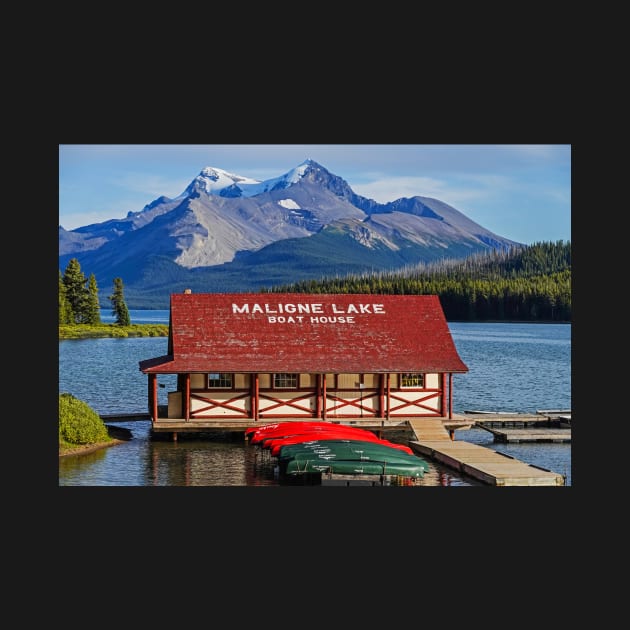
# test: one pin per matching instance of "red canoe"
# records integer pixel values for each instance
(285, 429)
(279, 425)
(307, 436)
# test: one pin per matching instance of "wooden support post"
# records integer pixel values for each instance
(154, 395)
(450, 395)
(187, 395)
(253, 394)
(318, 396)
(256, 397)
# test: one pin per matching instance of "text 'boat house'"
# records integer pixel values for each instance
(244, 358)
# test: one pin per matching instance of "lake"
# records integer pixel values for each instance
(513, 367)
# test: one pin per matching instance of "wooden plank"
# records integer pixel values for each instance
(124, 417)
(429, 429)
(550, 434)
(486, 465)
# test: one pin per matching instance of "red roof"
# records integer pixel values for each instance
(306, 333)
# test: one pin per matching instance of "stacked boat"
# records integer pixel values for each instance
(327, 447)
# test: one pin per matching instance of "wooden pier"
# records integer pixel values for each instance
(124, 417)
(545, 434)
(481, 463)
(543, 426)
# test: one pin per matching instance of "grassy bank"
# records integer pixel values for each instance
(83, 449)
(81, 429)
(84, 331)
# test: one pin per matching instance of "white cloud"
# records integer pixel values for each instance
(451, 192)
(152, 186)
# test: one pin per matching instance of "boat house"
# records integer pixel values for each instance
(245, 358)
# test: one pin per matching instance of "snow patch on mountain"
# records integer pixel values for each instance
(294, 175)
(216, 181)
(289, 204)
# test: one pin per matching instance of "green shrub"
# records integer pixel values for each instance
(79, 423)
(87, 331)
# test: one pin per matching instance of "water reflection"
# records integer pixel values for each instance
(229, 461)
(206, 463)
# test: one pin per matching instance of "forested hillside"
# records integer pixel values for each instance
(531, 283)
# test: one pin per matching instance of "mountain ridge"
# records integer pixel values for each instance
(227, 232)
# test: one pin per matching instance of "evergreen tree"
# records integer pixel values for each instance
(65, 310)
(531, 283)
(92, 307)
(119, 307)
(76, 292)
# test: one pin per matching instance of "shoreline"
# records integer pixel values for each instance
(84, 449)
(118, 435)
(161, 330)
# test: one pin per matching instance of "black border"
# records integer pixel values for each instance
(470, 520)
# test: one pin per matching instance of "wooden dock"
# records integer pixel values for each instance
(481, 463)
(545, 434)
(124, 417)
(544, 426)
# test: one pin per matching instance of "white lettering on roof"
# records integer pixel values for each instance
(315, 308)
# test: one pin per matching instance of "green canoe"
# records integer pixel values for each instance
(354, 467)
(354, 457)
(362, 451)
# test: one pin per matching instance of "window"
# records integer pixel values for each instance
(221, 381)
(409, 379)
(284, 380)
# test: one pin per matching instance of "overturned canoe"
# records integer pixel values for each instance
(274, 445)
(354, 467)
(274, 426)
(345, 449)
(295, 425)
(325, 455)
(286, 429)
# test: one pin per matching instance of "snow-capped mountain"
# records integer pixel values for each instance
(216, 181)
(229, 232)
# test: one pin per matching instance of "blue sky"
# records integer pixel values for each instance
(521, 192)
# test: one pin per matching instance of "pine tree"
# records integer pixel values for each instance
(92, 307)
(76, 292)
(119, 307)
(65, 310)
